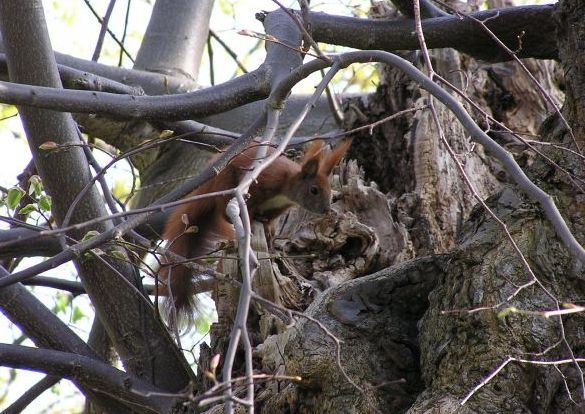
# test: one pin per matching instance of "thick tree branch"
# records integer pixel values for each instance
(529, 30)
(77, 79)
(525, 29)
(220, 98)
(45, 329)
(140, 395)
(175, 48)
(124, 314)
(36, 321)
(152, 83)
(20, 245)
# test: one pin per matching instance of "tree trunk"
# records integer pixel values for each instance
(466, 299)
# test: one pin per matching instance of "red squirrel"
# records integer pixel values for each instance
(283, 184)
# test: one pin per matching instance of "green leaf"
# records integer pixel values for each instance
(203, 324)
(90, 234)
(507, 311)
(226, 7)
(117, 254)
(15, 194)
(45, 203)
(36, 186)
(8, 111)
(56, 389)
(166, 134)
(121, 189)
(77, 314)
(63, 301)
(26, 210)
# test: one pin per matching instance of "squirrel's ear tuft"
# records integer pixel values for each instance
(332, 159)
(314, 151)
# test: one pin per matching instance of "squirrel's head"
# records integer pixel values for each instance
(310, 188)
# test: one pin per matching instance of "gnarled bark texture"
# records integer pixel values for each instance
(477, 304)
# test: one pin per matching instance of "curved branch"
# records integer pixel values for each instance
(88, 372)
(529, 30)
(31, 60)
(228, 95)
(477, 134)
(31, 394)
(535, 22)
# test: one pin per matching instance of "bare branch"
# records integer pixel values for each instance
(228, 95)
(124, 387)
(177, 48)
(427, 8)
(534, 22)
(503, 365)
(64, 174)
(103, 29)
(31, 394)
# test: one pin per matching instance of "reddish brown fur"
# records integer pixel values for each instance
(306, 185)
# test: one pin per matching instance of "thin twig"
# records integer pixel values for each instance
(125, 32)
(487, 379)
(307, 38)
(104, 27)
(99, 19)
(544, 94)
(228, 50)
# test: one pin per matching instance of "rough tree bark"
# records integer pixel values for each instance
(400, 363)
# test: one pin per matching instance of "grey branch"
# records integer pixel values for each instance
(140, 395)
(529, 30)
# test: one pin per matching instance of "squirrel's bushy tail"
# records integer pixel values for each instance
(195, 240)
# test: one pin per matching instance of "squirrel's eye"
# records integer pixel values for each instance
(314, 190)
